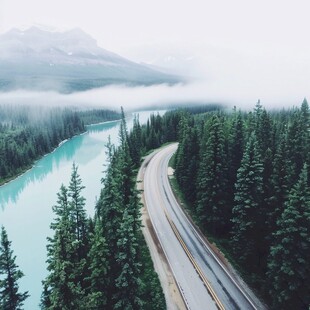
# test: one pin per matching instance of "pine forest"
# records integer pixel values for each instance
(245, 179)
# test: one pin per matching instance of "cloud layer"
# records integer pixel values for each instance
(238, 90)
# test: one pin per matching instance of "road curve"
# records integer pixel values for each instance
(203, 281)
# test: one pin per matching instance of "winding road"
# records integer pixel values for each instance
(202, 279)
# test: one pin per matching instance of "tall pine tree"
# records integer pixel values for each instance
(10, 297)
(211, 180)
(289, 266)
(61, 290)
(248, 201)
(68, 280)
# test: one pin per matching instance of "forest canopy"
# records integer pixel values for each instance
(29, 132)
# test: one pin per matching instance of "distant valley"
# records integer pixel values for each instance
(37, 59)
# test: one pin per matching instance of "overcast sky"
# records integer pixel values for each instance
(268, 39)
(117, 24)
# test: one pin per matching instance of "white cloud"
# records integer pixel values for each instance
(240, 92)
(244, 49)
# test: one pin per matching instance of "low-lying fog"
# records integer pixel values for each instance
(243, 94)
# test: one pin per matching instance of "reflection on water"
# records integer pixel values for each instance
(86, 144)
(26, 203)
(10, 192)
(102, 126)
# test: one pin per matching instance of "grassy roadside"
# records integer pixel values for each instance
(222, 245)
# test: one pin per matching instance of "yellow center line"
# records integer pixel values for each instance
(193, 261)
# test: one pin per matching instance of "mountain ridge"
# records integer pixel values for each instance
(72, 60)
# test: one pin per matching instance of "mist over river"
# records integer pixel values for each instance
(26, 202)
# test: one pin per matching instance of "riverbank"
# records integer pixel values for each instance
(26, 204)
(24, 170)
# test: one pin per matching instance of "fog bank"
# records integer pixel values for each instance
(242, 93)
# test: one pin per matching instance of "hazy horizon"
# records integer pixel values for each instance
(235, 52)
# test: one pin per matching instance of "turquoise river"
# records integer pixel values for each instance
(26, 202)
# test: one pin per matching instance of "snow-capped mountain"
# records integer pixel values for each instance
(71, 60)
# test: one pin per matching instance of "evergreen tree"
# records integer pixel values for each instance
(264, 132)
(277, 187)
(186, 159)
(79, 221)
(290, 255)
(65, 286)
(61, 290)
(97, 298)
(77, 211)
(246, 219)
(135, 142)
(10, 297)
(128, 282)
(211, 181)
(295, 144)
(236, 146)
(235, 153)
(109, 212)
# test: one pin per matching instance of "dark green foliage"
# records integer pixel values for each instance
(118, 210)
(211, 179)
(10, 297)
(247, 217)
(64, 287)
(249, 163)
(77, 213)
(187, 158)
(98, 277)
(99, 264)
(97, 116)
(26, 133)
(128, 283)
(135, 142)
(289, 268)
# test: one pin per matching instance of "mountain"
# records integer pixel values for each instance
(66, 61)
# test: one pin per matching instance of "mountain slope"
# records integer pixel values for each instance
(66, 61)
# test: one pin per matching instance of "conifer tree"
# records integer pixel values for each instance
(236, 146)
(305, 123)
(109, 212)
(80, 225)
(248, 200)
(77, 211)
(186, 159)
(211, 202)
(61, 290)
(295, 144)
(10, 297)
(116, 197)
(128, 282)
(264, 132)
(97, 297)
(277, 187)
(135, 142)
(289, 260)
(65, 286)
(235, 153)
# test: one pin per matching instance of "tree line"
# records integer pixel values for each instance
(101, 262)
(29, 132)
(245, 177)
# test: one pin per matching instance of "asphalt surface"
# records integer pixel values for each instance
(185, 250)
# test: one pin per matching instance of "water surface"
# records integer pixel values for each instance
(26, 202)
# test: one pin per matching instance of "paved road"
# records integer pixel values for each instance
(186, 251)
